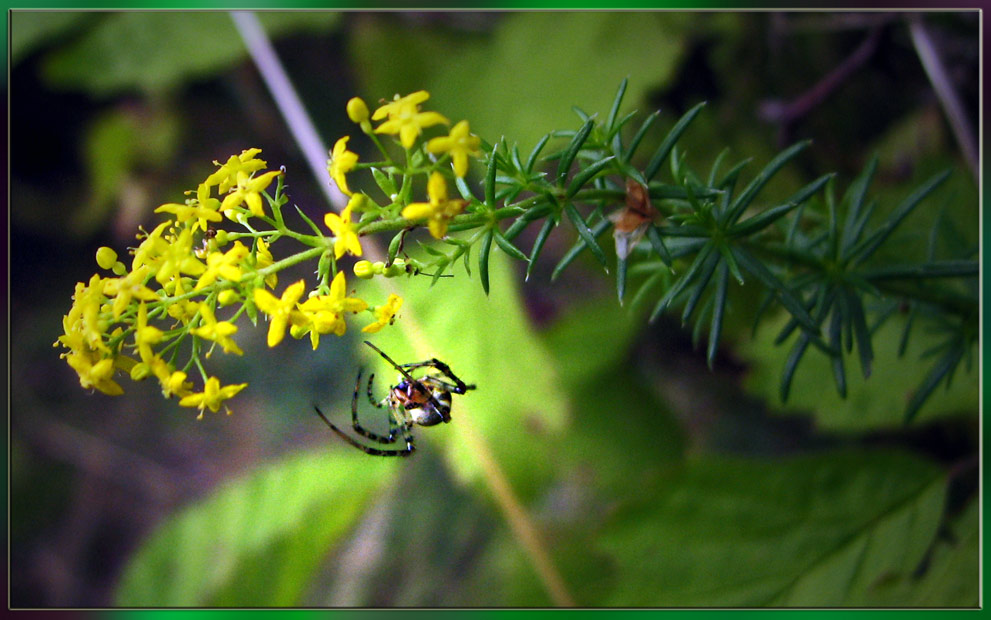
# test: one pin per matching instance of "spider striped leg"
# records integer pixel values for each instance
(368, 449)
(459, 386)
(394, 425)
(368, 391)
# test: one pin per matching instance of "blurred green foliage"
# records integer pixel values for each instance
(603, 427)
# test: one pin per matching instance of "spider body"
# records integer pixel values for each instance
(425, 402)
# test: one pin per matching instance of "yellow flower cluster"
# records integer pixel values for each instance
(180, 275)
(190, 279)
(403, 117)
(184, 272)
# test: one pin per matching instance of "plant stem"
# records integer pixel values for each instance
(948, 97)
(288, 102)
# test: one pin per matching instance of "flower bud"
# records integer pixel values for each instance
(397, 268)
(364, 269)
(106, 257)
(227, 297)
(140, 372)
(357, 110)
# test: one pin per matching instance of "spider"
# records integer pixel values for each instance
(425, 401)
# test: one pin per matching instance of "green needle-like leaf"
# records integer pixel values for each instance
(906, 332)
(532, 159)
(483, 259)
(617, 102)
(728, 182)
(750, 192)
(766, 218)
(639, 135)
(586, 175)
(395, 244)
(586, 235)
(309, 222)
(855, 202)
(867, 247)
(768, 279)
(600, 227)
(700, 259)
(490, 176)
(508, 247)
(835, 340)
(617, 135)
(620, 278)
(734, 268)
(385, 182)
(943, 368)
(700, 323)
(657, 242)
(702, 280)
(718, 310)
(518, 225)
(572, 151)
(723, 154)
(515, 157)
(801, 345)
(669, 141)
(463, 189)
(860, 332)
(538, 244)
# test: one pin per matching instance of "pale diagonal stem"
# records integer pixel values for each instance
(288, 101)
(941, 82)
(305, 135)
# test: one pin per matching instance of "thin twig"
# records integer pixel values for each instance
(305, 135)
(786, 113)
(288, 101)
(947, 95)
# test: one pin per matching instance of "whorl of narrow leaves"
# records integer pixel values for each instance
(702, 237)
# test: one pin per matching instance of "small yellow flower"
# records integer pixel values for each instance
(152, 247)
(280, 310)
(178, 258)
(173, 382)
(340, 163)
(212, 396)
(123, 289)
(226, 265)
(346, 239)
(217, 331)
(385, 314)
(146, 335)
(228, 174)
(324, 314)
(439, 210)
(460, 144)
(184, 310)
(94, 372)
(83, 328)
(203, 209)
(249, 190)
(405, 117)
(264, 258)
